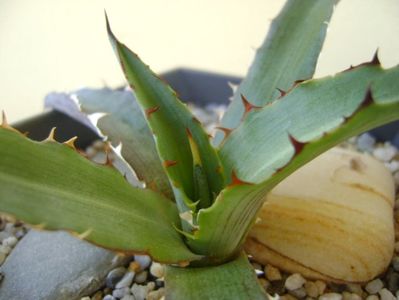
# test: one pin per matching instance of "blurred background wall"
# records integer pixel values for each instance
(61, 45)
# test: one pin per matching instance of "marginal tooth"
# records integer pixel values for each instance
(4, 123)
(85, 234)
(169, 163)
(183, 264)
(237, 181)
(298, 146)
(367, 100)
(71, 142)
(226, 131)
(247, 105)
(51, 135)
(375, 60)
(151, 110)
(282, 93)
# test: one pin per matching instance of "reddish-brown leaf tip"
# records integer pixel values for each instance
(298, 146)
(235, 180)
(151, 110)
(169, 163)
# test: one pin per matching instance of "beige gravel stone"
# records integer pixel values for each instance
(272, 273)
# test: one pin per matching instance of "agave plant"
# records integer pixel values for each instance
(200, 197)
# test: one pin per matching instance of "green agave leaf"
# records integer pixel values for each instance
(289, 53)
(274, 141)
(50, 185)
(172, 123)
(124, 123)
(233, 280)
(315, 110)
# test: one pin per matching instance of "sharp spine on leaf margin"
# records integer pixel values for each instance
(169, 163)
(237, 181)
(51, 135)
(4, 124)
(71, 143)
(298, 146)
(248, 107)
(151, 110)
(282, 93)
(367, 101)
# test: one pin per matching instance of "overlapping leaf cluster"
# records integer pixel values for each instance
(200, 200)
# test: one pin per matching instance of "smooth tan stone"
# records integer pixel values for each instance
(330, 220)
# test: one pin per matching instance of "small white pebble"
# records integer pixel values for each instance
(5, 249)
(372, 297)
(139, 291)
(150, 286)
(143, 260)
(396, 178)
(374, 286)
(157, 270)
(350, 296)
(272, 273)
(120, 293)
(385, 294)
(331, 296)
(109, 297)
(385, 153)
(141, 277)
(321, 286)
(393, 165)
(365, 142)
(355, 288)
(294, 281)
(311, 289)
(10, 241)
(156, 295)
(85, 298)
(2, 258)
(128, 297)
(126, 280)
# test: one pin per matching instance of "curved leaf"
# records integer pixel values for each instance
(289, 53)
(270, 137)
(124, 123)
(233, 280)
(171, 123)
(51, 185)
(273, 142)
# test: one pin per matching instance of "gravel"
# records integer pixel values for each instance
(141, 278)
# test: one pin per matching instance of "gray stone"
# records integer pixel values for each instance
(55, 265)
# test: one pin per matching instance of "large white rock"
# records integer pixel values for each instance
(332, 219)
